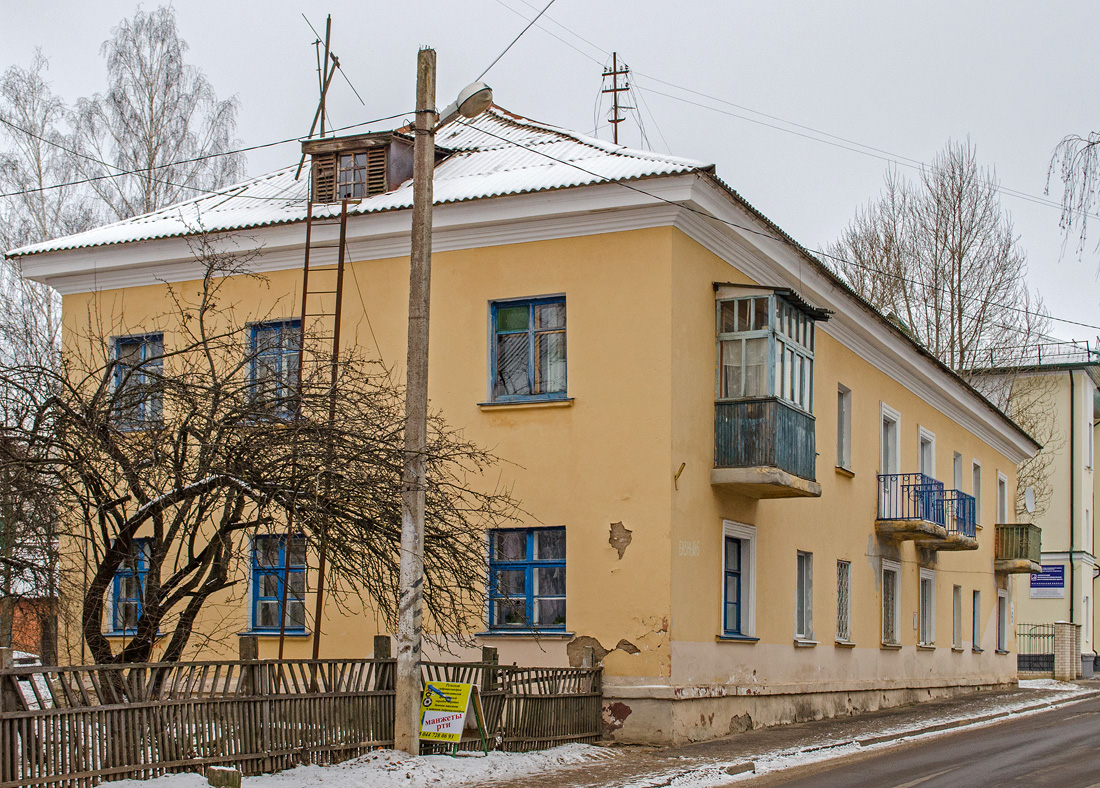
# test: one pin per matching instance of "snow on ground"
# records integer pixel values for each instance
(1050, 684)
(390, 768)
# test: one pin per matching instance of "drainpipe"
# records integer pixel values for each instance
(1072, 490)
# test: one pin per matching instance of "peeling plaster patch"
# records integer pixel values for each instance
(614, 716)
(574, 649)
(740, 723)
(620, 538)
(627, 646)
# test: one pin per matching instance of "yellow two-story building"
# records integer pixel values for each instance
(752, 498)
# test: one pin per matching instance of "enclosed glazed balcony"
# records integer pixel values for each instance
(763, 415)
(764, 448)
(916, 507)
(1018, 548)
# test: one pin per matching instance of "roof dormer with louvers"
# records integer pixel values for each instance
(359, 166)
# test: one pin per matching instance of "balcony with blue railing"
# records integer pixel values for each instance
(916, 506)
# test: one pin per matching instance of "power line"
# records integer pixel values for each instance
(840, 142)
(192, 160)
(754, 231)
(514, 40)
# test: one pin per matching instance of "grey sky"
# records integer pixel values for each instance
(1013, 76)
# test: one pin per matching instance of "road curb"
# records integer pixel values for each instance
(967, 722)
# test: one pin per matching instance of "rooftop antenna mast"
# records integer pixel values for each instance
(615, 72)
(326, 68)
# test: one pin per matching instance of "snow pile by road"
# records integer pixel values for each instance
(390, 768)
(1051, 684)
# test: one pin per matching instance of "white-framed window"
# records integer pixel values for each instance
(976, 621)
(1002, 498)
(891, 445)
(1002, 620)
(1092, 428)
(926, 458)
(844, 427)
(956, 617)
(844, 601)
(738, 580)
(891, 602)
(804, 596)
(976, 490)
(927, 633)
(957, 470)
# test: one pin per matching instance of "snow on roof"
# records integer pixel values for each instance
(496, 154)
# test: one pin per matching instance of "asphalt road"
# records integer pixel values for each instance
(1058, 748)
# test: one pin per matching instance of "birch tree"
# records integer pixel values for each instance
(1076, 163)
(159, 134)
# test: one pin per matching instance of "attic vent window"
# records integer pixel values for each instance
(349, 176)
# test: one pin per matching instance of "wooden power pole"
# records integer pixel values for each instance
(407, 702)
(615, 72)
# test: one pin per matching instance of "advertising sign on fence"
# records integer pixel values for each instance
(1050, 583)
(447, 709)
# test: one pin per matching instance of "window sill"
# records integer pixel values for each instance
(891, 646)
(1002, 652)
(842, 471)
(736, 639)
(926, 647)
(844, 644)
(564, 402)
(977, 650)
(267, 633)
(956, 650)
(533, 634)
(804, 643)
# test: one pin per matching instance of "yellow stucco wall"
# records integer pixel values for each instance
(641, 370)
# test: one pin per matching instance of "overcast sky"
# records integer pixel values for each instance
(901, 78)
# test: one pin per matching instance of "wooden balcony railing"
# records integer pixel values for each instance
(765, 432)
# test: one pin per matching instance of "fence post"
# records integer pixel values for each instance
(382, 647)
(1064, 639)
(489, 675)
(8, 744)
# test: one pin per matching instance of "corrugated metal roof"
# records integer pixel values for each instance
(496, 154)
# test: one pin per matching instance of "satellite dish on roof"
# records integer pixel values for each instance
(1029, 500)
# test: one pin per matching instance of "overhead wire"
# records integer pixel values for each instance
(513, 42)
(770, 236)
(203, 157)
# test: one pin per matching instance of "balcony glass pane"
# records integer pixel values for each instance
(760, 314)
(756, 367)
(731, 369)
(743, 319)
(727, 321)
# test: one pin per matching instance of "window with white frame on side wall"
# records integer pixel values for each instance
(1002, 620)
(1002, 498)
(804, 597)
(976, 621)
(738, 580)
(956, 617)
(926, 457)
(844, 601)
(891, 602)
(844, 427)
(927, 623)
(976, 491)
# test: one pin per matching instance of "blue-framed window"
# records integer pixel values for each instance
(139, 364)
(274, 364)
(270, 555)
(527, 579)
(732, 589)
(528, 354)
(129, 587)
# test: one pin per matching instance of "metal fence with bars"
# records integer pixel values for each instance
(85, 725)
(1035, 648)
(911, 496)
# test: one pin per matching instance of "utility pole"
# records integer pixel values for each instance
(407, 701)
(615, 72)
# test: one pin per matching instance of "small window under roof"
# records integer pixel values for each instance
(352, 168)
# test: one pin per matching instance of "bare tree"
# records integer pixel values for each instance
(168, 459)
(1076, 162)
(940, 256)
(159, 133)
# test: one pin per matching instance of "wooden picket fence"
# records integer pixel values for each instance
(85, 725)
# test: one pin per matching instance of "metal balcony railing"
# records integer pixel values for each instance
(911, 496)
(959, 508)
(1019, 542)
